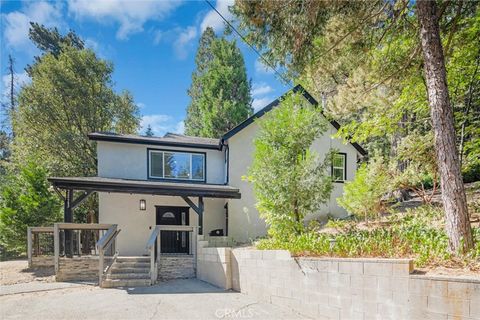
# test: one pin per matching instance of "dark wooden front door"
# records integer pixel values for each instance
(173, 241)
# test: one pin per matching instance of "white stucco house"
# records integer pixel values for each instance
(180, 180)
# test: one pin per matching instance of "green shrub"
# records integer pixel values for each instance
(363, 196)
(418, 234)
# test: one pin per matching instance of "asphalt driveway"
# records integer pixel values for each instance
(179, 299)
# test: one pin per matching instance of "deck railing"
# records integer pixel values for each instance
(77, 239)
(40, 242)
(154, 246)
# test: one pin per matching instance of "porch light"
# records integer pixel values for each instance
(143, 204)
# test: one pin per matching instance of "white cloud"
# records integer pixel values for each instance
(161, 124)
(259, 103)
(184, 41)
(261, 68)
(130, 15)
(259, 89)
(212, 19)
(17, 23)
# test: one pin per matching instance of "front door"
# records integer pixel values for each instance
(173, 241)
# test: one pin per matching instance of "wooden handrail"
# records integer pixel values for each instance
(153, 237)
(105, 239)
(84, 226)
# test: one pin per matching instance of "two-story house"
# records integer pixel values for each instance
(180, 180)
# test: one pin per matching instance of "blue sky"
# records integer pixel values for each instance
(152, 45)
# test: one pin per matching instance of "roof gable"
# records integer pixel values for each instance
(276, 102)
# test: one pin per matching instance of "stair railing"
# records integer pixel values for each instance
(106, 245)
(153, 247)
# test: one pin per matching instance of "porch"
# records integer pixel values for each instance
(93, 252)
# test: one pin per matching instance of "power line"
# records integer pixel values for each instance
(248, 44)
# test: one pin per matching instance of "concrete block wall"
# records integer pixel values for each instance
(176, 267)
(335, 288)
(214, 266)
(77, 269)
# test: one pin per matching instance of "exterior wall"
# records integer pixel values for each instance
(176, 267)
(335, 288)
(244, 221)
(123, 209)
(129, 161)
(77, 269)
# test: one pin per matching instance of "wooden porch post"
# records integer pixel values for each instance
(200, 215)
(29, 246)
(68, 217)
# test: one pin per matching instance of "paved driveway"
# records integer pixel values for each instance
(179, 299)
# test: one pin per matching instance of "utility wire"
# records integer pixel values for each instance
(266, 62)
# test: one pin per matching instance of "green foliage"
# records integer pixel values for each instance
(289, 180)
(25, 200)
(220, 92)
(363, 195)
(69, 97)
(417, 234)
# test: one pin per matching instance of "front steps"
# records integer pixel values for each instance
(128, 272)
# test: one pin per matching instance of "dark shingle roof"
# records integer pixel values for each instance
(169, 139)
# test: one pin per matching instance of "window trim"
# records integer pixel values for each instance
(189, 180)
(344, 168)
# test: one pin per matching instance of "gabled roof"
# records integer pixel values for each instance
(169, 139)
(276, 102)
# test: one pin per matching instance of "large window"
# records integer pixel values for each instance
(339, 167)
(176, 165)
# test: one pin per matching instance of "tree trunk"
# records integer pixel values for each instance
(453, 193)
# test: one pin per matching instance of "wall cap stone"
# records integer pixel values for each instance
(463, 279)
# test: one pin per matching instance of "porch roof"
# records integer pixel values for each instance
(100, 184)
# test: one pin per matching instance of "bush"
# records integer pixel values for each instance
(363, 196)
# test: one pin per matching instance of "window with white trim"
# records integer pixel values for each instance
(339, 167)
(175, 165)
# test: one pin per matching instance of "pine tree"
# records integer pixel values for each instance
(220, 92)
(149, 131)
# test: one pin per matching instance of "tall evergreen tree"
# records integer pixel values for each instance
(220, 91)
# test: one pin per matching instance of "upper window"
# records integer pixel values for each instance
(176, 165)
(339, 167)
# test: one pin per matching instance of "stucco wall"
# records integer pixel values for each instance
(244, 221)
(335, 288)
(129, 161)
(137, 226)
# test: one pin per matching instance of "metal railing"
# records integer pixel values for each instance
(154, 246)
(107, 248)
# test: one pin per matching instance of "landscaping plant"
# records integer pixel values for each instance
(289, 179)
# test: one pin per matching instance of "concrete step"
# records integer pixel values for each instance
(122, 269)
(114, 283)
(118, 265)
(123, 259)
(127, 276)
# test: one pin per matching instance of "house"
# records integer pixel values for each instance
(144, 181)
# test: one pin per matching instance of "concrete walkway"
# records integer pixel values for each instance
(179, 299)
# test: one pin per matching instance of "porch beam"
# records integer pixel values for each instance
(198, 209)
(81, 198)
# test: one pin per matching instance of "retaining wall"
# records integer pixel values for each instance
(42, 261)
(77, 269)
(330, 288)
